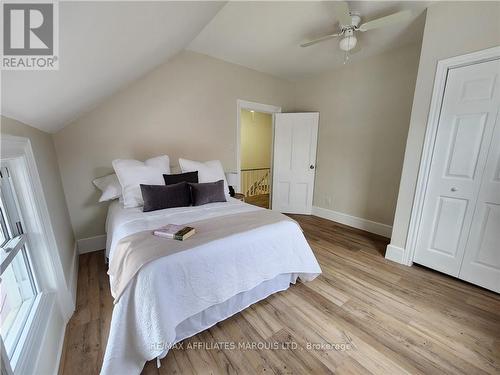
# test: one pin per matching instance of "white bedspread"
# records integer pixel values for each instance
(172, 289)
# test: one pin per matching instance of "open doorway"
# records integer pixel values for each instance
(256, 141)
(255, 152)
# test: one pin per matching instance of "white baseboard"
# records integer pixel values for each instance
(353, 221)
(74, 275)
(394, 253)
(87, 245)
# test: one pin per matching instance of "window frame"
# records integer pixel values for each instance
(56, 301)
(11, 218)
(3, 225)
(6, 369)
(16, 245)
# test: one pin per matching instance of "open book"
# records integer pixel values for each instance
(177, 232)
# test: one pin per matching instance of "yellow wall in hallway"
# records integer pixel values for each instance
(256, 139)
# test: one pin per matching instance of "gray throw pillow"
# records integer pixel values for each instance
(159, 197)
(208, 192)
(171, 179)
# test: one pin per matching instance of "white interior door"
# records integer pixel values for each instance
(481, 264)
(468, 116)
(294, 161)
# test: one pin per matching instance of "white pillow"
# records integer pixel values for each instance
(132, 173)
(209, 171)
(110, 187)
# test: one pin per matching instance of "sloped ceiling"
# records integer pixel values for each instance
(265, 36)
(103, 47)
(106, 45)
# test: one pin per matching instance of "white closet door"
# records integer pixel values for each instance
(295, 139)
(468, 116)
(481, 264)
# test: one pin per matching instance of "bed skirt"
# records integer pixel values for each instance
(224, 310)
(211, 316)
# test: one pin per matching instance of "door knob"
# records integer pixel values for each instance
(311, 166)
(453, 189)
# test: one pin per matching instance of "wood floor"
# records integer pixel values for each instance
(362, 315)
(261, 200)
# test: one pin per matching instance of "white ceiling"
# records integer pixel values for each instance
(103, 47)
(106, 45)
(265, 36)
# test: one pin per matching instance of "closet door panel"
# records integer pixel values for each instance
(481, 264)
(465, 130)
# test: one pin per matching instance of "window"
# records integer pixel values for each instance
(18, 286)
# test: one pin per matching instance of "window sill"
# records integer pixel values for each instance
(23, 361)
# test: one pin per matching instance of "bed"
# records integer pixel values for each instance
(174, 297)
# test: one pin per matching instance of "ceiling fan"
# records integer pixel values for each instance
(349, 25)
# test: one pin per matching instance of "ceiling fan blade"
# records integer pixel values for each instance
(341, 9)
(323, 38)
(385, 21)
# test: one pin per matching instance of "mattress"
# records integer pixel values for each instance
(121, 221)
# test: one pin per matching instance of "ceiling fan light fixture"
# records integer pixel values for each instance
(348, 43)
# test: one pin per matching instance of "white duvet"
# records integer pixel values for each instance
(176, 296)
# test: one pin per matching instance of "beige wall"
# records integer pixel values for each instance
(451, 29)
(364, 116)
(187, 107)
(48, 169)
(256, 139)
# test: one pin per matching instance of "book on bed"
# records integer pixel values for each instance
(177, 232)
